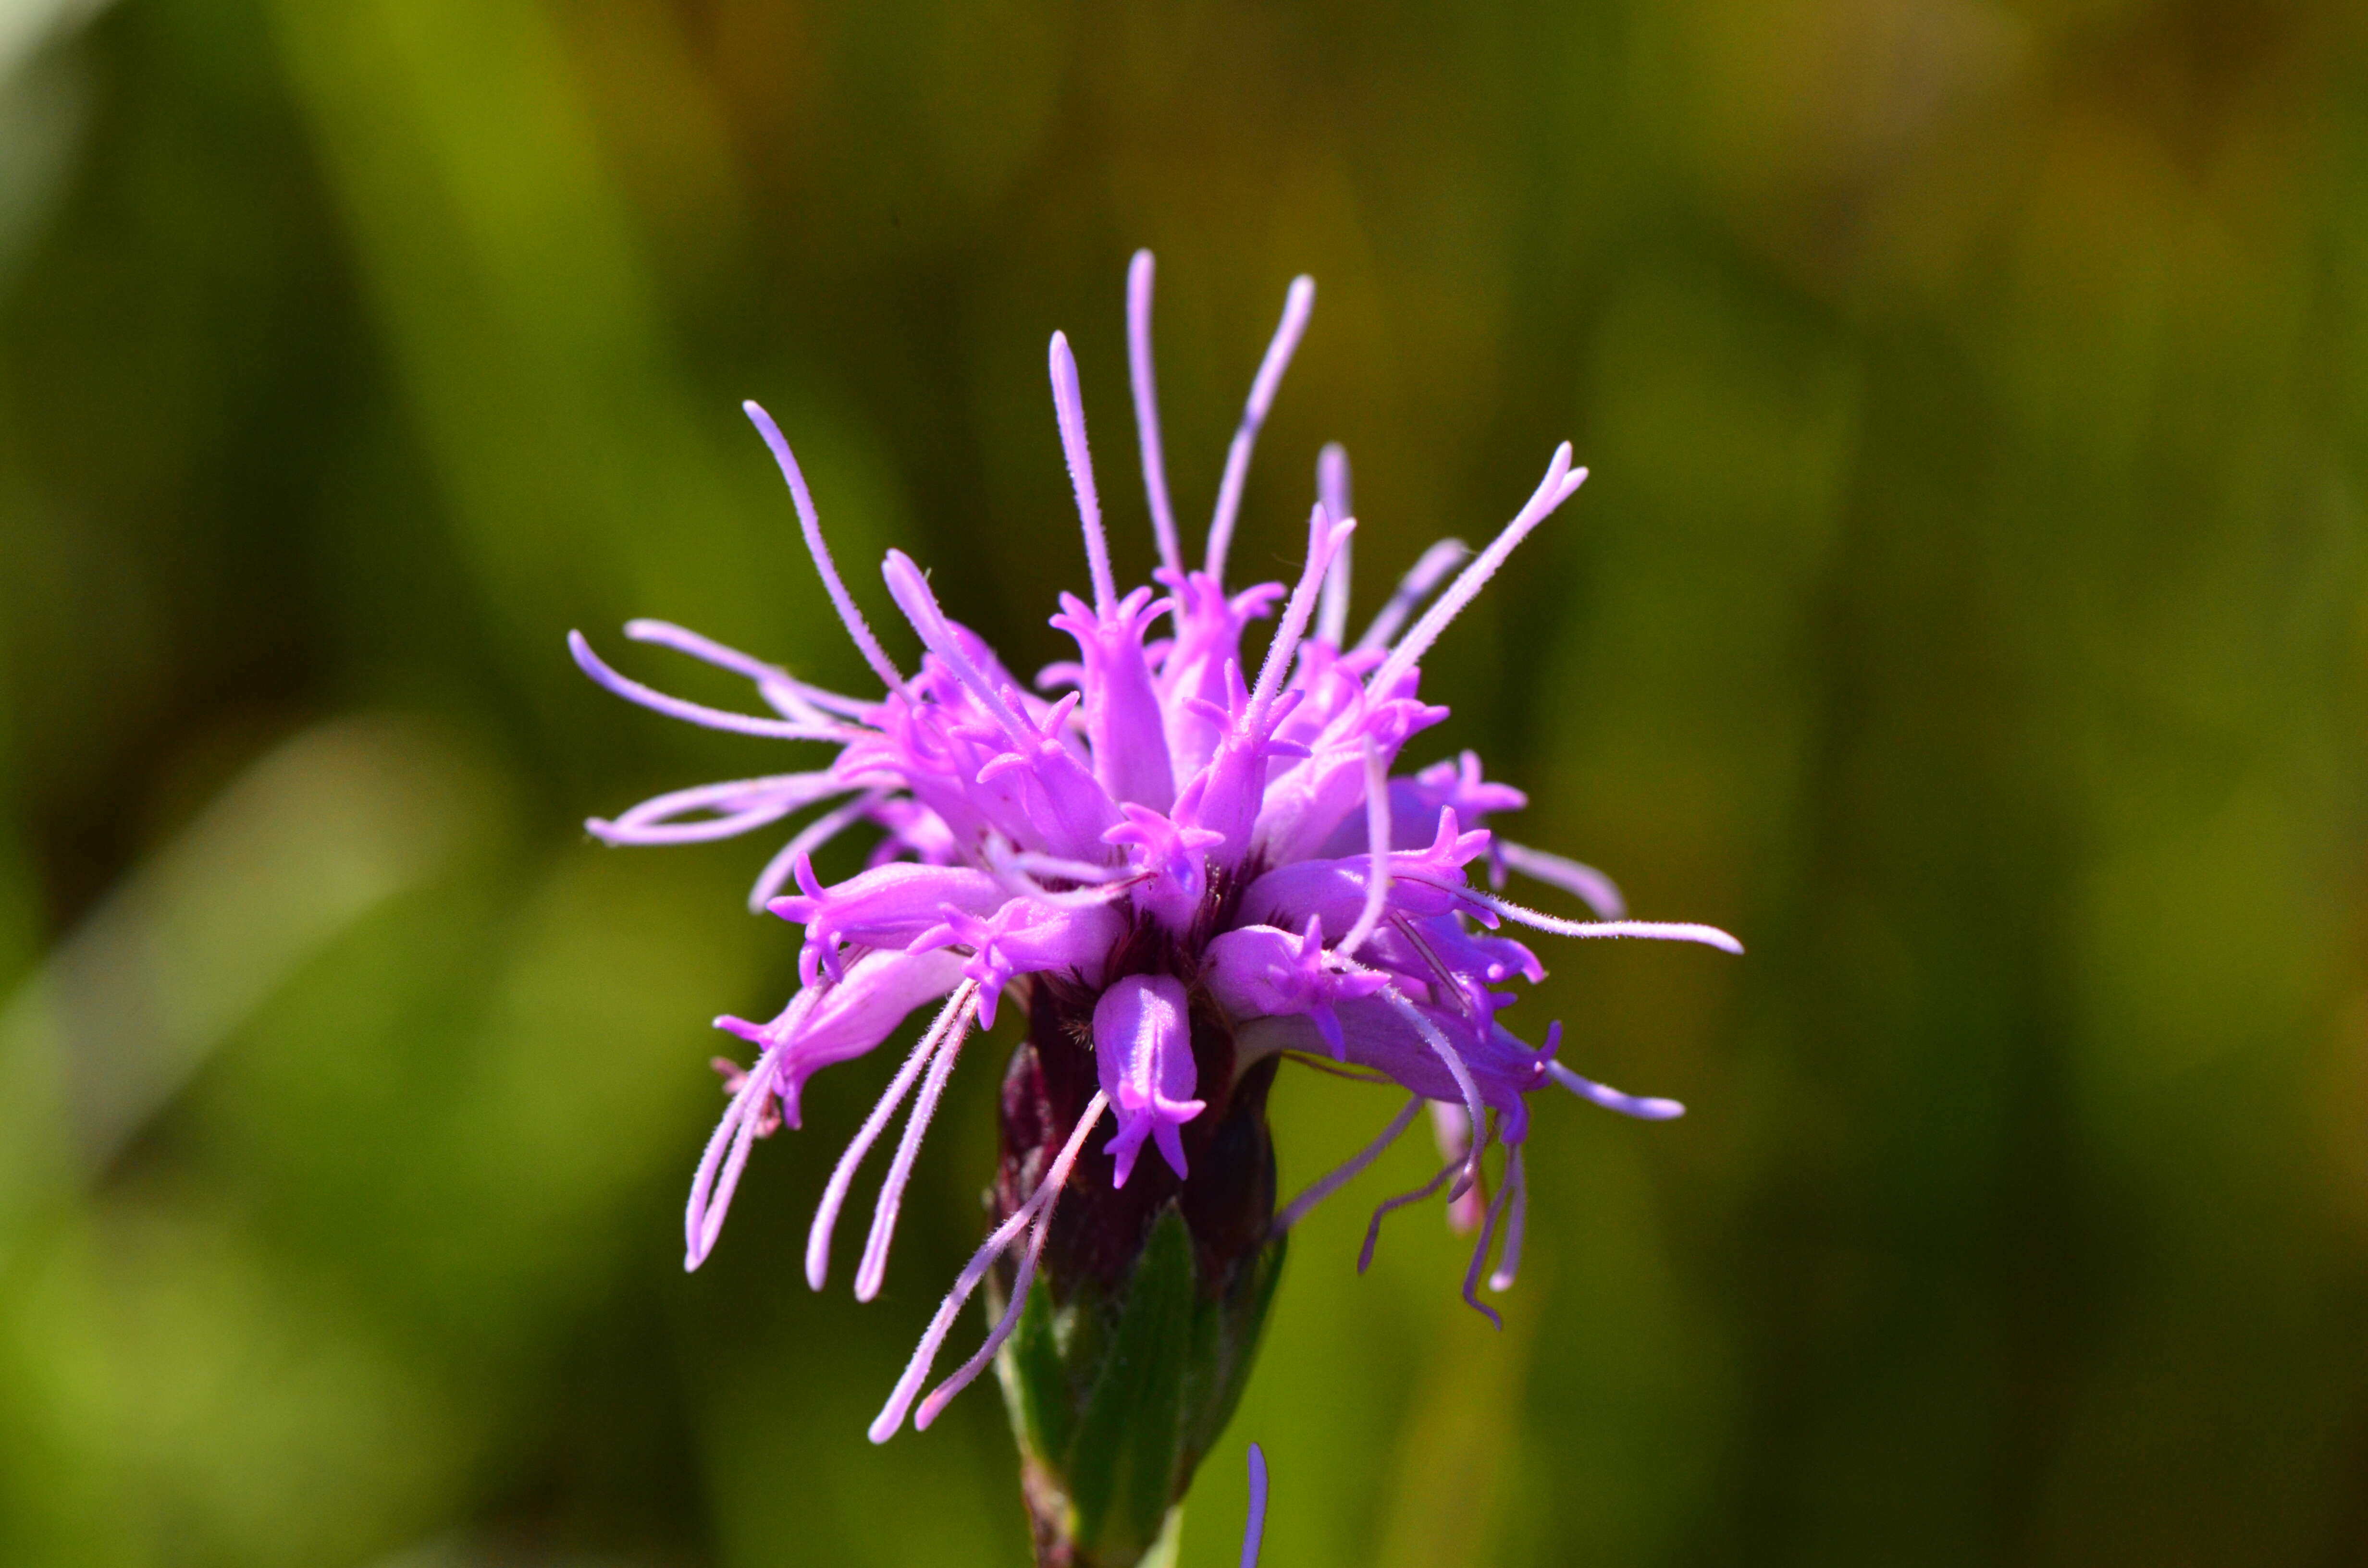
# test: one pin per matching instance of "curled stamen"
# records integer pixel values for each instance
(1010, 867)
(1347, 1170)
(1325, 539)
(1023, 1279)
(1480, 1257)
(1453, 1061)
(852, 618)
(1517, 1182)
(1332, 1069)
(1452, 1132)
(1391, 1205)
(1038, 864)
(738, 807)
(910, 589)
(900, 1399)
(1296, 306)
(711, 1189)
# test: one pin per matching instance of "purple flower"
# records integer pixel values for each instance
(1189, 833)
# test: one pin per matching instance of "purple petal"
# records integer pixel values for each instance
(1143, 1052)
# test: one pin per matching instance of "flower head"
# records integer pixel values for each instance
(1190, 859)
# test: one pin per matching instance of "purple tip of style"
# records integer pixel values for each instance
(1254, 1528)
(1145, 380)
(1332, 492)
(1069, 414)
(1652, 930)
(1599, 891)
(633, 691)
(1298, 304)
(1643, 1107)
(1424, 576)
(810, 522)
(1560, 484)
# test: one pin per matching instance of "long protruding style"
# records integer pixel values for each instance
(1145, 375)
(1298, 304)
(857, 631)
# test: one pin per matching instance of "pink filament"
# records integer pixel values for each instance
(1332, 490)
(1388, 1205)
(1508, 1262)
(866, 643)
(900, 1399)
(700, 713)
(1069, 410)
(1480, 1256)
(1143, 374)
(1560, 484)
(1297, 305)
(808, 839)
(1657, 930)
(1347, 1170)
(1377, 841)
(873, 1269)
(1594, 889)
(842, 1176)
(1423, 576)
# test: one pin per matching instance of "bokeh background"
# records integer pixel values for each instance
(1967, 610)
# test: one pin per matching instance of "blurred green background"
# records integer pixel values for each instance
(1967, 610)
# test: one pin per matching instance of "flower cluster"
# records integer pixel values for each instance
(1165, 827)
